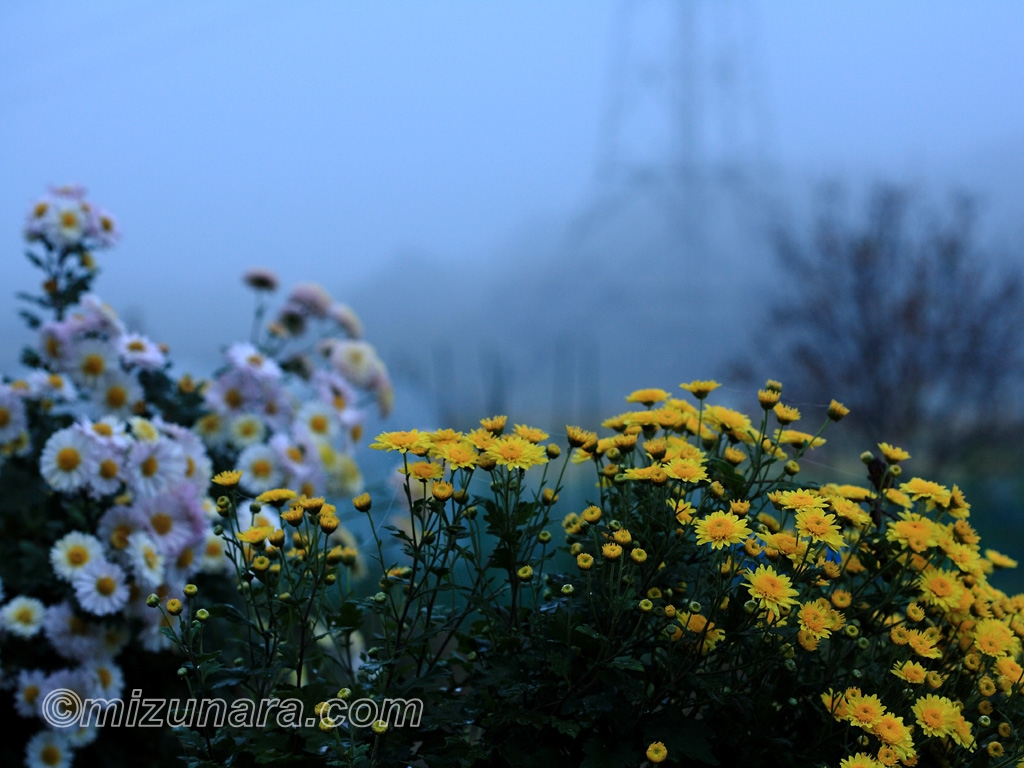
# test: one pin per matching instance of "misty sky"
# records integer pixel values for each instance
(323, 138)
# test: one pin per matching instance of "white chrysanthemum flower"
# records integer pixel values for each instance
(49, 749)
(344, 477)
(357, 361)
(73, 552)
(144, 430)
(23, 616)
(245, 356)
(114, 640)
(93, 315)
(26, 692)
(215, 556)
(261, 469)
(117, 392)
(117, 524)
(246, 429)
(109, 472)
(277, 405)
(67, 460)
(52, 386)
(198, 466)
(55, 343)
(155, 467)
(318, 420)
(13, 418)
(76, 686)
(150, 635)
(70, 635)
(174, 519)
(109, 431)
(90, 359)
(146, 559)
(106, 677)
(233, 392)
(101, 588)
(137, 350)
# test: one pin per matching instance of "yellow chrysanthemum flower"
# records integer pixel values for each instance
(721, 529)
(774, 591)
(515, 452)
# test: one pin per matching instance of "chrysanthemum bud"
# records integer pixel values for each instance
(836, 410)
(191, 590)
(153, 601)
(362, 502)
(202, 614)
(174, 606)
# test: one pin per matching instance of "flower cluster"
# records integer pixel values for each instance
(705, 595)
(106, 464)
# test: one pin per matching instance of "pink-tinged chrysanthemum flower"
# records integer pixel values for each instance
(311, 299)
(77, 682)
(22, 616)
(155, 467)
(73, 552)
(101, 588)
(66, 463)
(136, 350)
(346, 319)
(245, 356)
(72, 636)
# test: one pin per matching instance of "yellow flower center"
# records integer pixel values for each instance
(136, 346)
(51, 755)
(108, 469)
(30, 693)
(68, 459)
(105, 677)
(68, 219)
(5, 417)
(93, 364)
(151, 558)
(162, 523)
(149, 466)
(78, 556)
(318, 424)
(106, 585)
(262, 468)
(214, 549)
(233, 398)
(117, 396)
(119, 536)
(185, 558)
(24, 615)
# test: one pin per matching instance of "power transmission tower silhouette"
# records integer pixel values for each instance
(686, 126)
(670, 244)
